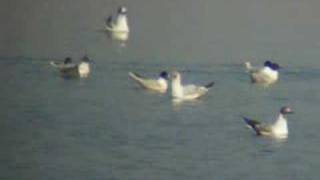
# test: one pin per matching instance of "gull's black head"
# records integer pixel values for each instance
(67, 60)
(275, 66)
(122, 10)
(286, 110)
(271, 65)
(164, 75)
(85, 59)
(268, 63)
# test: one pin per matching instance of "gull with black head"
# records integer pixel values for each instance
(266, 75)
(278, 129)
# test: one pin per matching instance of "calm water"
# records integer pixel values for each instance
(105, 127)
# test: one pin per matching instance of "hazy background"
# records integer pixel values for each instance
(165, 31)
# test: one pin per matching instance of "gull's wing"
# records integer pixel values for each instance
(254, 124)
(70, 70)
(146, 83)
(109, 21)
(62, 66)
(258, 127)
(66, 70)
(192, 91)
(265, 129)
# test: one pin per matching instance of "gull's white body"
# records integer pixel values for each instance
(186, 92)
(158, 85)
(120, 24)
(120, 36)
(84, 69)
(263, 75)
(280, 127)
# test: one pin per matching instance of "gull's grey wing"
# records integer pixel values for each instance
(62, 66)
(192, 91)
(146, 83)
(258, 127)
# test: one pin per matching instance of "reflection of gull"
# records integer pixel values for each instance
(266, 75)
(119, 23)
(69, 69)
(159, 85)
(187, 92)
(279, 129)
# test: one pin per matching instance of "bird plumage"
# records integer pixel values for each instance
(278, 129)
(266, 75)
(118, 23)
(187, 92)
(159, 85)
(70, 69)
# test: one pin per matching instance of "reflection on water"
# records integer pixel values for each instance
(119, 37)
(177, 103)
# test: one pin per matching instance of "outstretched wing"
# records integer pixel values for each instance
(258, 127)
(146, 83)
(62, 66)
(209, 85)
(254, 124)
(109, 21)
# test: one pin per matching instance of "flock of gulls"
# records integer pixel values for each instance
(266, 75)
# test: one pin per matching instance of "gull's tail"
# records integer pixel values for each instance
(209, 85)
(253, 124)
(135, 76)
(248, 66)
(54, 64)
(109, 21)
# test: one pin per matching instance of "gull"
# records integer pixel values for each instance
(187, 92)
(119, 23)
(70, 69)
(278, 129)
(266, 75)
(158, 85)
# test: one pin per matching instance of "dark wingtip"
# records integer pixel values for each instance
(247, 120)
(253, 124)
(209, 85)
(85, 58)
(67, 60)
(109, 20)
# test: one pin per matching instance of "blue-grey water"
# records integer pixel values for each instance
(106, 127)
